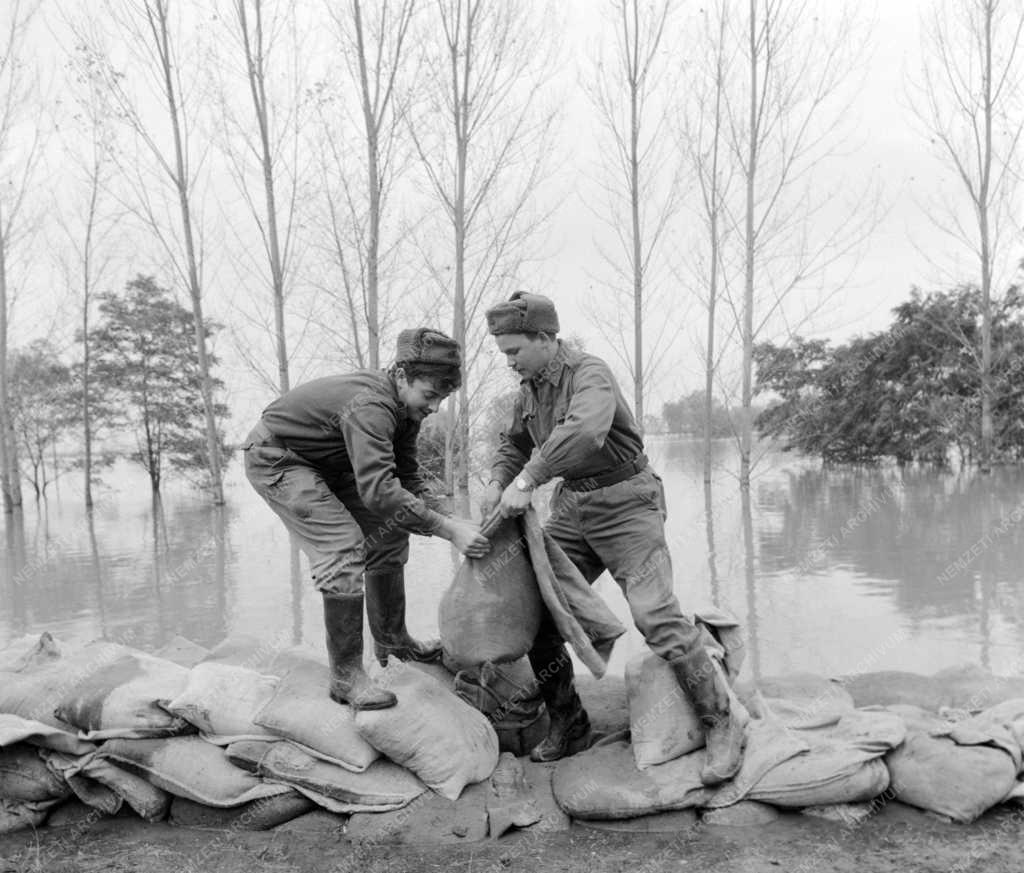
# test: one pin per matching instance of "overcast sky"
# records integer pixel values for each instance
(888, 146)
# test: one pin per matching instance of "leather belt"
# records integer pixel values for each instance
(609, 477)
(261, 435)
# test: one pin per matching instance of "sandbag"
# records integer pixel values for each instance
(843, 763)
(149, 801)
(25, 776)
(300, 710)
(15, 729)
(248, 650)
(103, 689)
(492, 609)
(381, 787)
(430, 731)
(189, 767)
(975, 689)
(801, 700)
(663, 723)
(117, 696)
(182, 651)
(957, 770)
(29, 652)
(90, 792)
(18, 815)
(961, 782)
(222, 701)
(604, 782)
(256, 815)
(509, 696)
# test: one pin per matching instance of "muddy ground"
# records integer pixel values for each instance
(897, 838)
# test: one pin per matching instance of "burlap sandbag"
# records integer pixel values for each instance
(25, 776)
(430, 731)
(189, 767)
(662, 721)
(301, 711)
(492, 609)
(380, 787)
(222, 701)
(957, 769)
(104, 689)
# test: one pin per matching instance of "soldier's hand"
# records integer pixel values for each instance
(466, 537)
(491, 498)
(514, 501)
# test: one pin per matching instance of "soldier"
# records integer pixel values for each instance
(335, 458)
(608, 513)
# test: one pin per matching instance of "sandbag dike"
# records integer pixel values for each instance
(244, 737)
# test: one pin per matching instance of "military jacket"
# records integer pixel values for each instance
(574, 415)
(354, 427)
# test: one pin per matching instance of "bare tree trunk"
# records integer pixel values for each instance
(635, 72)
(969, 100)
(156, 13)
(986, 248)
(86, 347)
(484, 158)
(256, 74)
(9, 469)
(629, 95)
(461, 120)
(746, 392)
(371, 122)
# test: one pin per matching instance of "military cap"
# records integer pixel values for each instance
(523, 313)
(425, 345)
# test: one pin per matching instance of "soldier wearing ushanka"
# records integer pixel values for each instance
(608, 513)
(335, 458)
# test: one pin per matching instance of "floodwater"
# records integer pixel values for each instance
(829, 570)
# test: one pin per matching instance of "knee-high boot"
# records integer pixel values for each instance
(569, 730)
(724, 733)
(385, 608)
(343, 620)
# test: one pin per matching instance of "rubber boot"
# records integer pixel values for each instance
(569, 728)
(724, 731)
(343, 619)
(385, 608)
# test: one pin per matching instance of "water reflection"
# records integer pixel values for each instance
(749, 577)
(828, 569)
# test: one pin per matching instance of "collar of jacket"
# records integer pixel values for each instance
(553, 371)
(403, 410)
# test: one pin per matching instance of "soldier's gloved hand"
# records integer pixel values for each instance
(514, 501)
(466, 537)
(491, 498)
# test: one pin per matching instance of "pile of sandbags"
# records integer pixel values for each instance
(811, 742)
(110, 725)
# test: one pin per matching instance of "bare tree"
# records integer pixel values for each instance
(266, 142)
(146, 29)
(969, 101)
(365, 239)
(20, 153)
(702, 136)
(481, 132)
(640, 176)
(88, 219)
(784, 123)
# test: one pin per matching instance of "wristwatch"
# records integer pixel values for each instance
(523, 485)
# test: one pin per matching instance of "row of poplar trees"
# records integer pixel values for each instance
(375, 159)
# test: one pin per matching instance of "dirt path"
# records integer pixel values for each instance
(899, 838)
